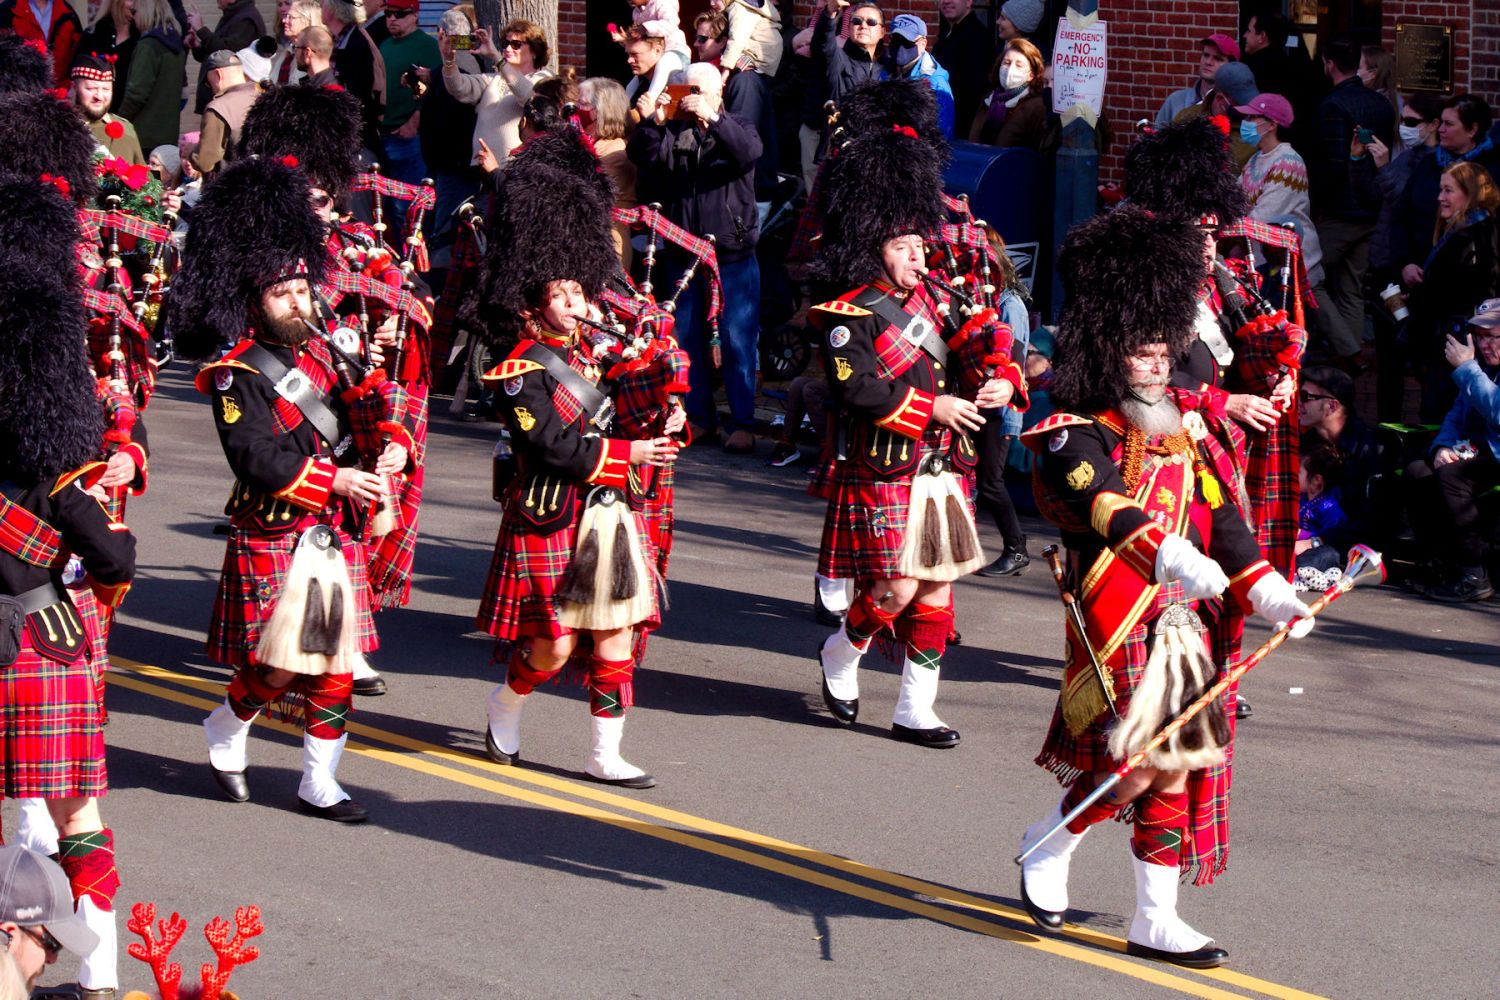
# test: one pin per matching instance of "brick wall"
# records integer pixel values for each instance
(1458, 15)
(1153, 50)
(1485, 65)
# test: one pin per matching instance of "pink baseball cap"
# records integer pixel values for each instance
(1224, 43)
(1272, 106)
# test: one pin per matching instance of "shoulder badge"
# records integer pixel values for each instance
(513, 386)
(838, 336)
(843, 369)
(524, 418)
(223, 378)
(1082, 477)
(231, 409)
(1058, 441)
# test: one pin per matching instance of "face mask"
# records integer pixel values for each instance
(1411, 136)
(1249, 134)
(1014, 76)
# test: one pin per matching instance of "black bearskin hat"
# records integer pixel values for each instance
(252, 227)
(549, 224)
(1129, 278)
(43, 135)
(879, 107)
(884, 185)
(1186, 172)
(23, 67)
(564, 147)
(50, 420)
(320, 126)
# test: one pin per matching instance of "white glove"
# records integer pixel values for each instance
(1178, 562)
(1276, 601)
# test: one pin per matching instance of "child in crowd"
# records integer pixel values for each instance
(1320, 520)
(754, 35)
(661, 19)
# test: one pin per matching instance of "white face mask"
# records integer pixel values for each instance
(1411, 136)
(1014, 76)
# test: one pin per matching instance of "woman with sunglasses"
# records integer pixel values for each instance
(854, 61)
(499, 97)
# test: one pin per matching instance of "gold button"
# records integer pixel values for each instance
(941, 383)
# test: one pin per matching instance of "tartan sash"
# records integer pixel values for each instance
(575, 394)
(26, 536)
(1115, 597)
(895, 351)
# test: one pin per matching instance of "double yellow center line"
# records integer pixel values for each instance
(805, 864)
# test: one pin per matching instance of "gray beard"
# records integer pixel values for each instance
(1161, 417)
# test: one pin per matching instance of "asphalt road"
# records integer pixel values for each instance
(779, 856)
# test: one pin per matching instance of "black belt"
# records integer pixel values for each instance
(294, 386)
(41, 597)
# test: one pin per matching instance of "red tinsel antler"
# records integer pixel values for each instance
(232, 951)
(154, 952)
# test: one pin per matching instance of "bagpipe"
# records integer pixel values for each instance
(367, 273)
(962, 266)
(126, 317)
(419, 198)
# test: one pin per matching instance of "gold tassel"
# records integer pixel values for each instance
(1208, 484)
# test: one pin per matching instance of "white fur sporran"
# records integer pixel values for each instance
(1178, 670)
(609, 584)
(941, 543)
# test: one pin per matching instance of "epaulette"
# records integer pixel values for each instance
(1037, 437)
(89, 473)
(203, 381)
(511, 367)
(838, 307)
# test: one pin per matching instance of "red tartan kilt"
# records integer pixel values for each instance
(53, 739)
(657, 513)
(392, 558)
(524, 574)
(1067, 756)
(96, 621)
(820, 485)
(865, 526)
(254, 567)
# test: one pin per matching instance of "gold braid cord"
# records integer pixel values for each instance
(1136, 449)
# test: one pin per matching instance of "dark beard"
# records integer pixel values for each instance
(289, 331)
(1161, 417)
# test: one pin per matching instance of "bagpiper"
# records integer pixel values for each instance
(911, 388)
(319, 128)
(574, 571)
(309, 436)
(1154, 545)
(57, 543)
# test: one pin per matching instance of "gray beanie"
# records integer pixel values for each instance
(1024, 14)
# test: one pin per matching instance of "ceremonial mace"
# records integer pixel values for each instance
(1075, 615)
(1365, 564)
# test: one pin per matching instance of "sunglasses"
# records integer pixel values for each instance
(864, 22)
(51, 945)
(513, 43)
(320, 200)
(701, 39)
(1307, 397)
(1413, 121)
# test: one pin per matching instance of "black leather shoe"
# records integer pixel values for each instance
(1467, 587)
(843, 712)
(1207, 957)
(1242, 710)
(232, 784)
(1047, 921)
(347, 811)
(370, 687)
(639, 781)
(1012, 562)
(821, 611)
(940, 738)
(493, 749)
